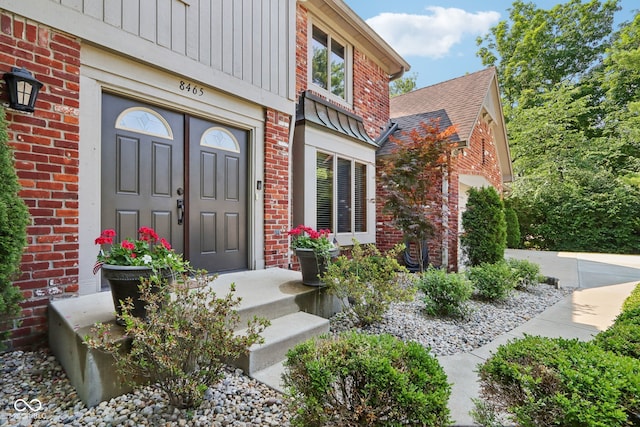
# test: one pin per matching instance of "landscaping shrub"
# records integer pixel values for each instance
(445, 293)
(367, 282)
(633, 300)
(14, 218)
(184, 342)
(525, 273)
(544, 381)
(622, 338)
(365, 380)
(492, 281)
(484, 238)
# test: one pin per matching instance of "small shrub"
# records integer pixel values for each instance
(544, 381)
(621, 338)
(525, 273)
(445, 293)
(633, 300)
(184, 342)
(368, 282)
(513, 228)
(493, 282)
(358, 379)
(484, 238)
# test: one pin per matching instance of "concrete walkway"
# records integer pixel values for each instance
(601, 281)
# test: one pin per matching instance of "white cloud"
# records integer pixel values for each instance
(432, 34)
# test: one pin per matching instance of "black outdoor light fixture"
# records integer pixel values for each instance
(23, 89)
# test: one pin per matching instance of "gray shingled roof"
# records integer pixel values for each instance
(457, 101)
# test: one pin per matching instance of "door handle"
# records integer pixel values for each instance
(180, 205)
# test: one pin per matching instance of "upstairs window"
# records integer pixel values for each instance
(330, 64)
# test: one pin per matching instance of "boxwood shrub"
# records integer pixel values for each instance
(358, 379)
(545, 381)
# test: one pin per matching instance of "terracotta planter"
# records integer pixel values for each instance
(313, 266)
(124, 281)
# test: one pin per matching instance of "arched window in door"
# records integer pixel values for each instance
(144, 120)
(220, 138)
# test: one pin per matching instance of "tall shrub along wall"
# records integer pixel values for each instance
(470, 161)
(46, 159)
(276, 189)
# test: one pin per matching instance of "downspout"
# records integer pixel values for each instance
(445, 216)
(292, 126)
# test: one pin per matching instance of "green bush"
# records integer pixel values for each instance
(484, 238)
(513, 228)
(368, 282)
(14, 218)
(445, 293)
(184, 342)
(365, 380)
(493, 282)
(526, 273)
(633, 300)
(544, 381)
(621, 338)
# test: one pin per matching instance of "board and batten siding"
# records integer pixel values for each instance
(251, 40)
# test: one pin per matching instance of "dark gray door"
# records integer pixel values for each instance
(142, 169)
(217, 196)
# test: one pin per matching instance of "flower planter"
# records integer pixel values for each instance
(124, 281)
(314, 266)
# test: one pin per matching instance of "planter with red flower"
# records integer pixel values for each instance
(314, 251)
(126, 263)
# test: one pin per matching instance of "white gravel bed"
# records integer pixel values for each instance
(238, 400)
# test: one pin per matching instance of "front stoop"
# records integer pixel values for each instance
(297, 312)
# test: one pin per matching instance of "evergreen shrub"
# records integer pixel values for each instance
(484, 238)
(14, 218)
(543, 381)
(513, 228)
(445, 293)
(365, 380)
(526, 273)
(493, 282)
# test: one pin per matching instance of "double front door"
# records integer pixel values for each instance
(181, 175)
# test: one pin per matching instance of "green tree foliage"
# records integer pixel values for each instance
(513, 227)
(410, 177)
(485, 230)
(403, 85)
(14, 218)
(537, 49)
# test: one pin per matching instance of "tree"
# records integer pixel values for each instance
(14, 218)
(537, 49)
(484, 238)
(403, 85)
(410, 176)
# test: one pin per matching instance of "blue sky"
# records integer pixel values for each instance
(438, 37)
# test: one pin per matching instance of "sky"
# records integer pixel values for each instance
(438, 38)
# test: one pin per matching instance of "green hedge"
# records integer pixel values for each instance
(358, 379)
(623, 337)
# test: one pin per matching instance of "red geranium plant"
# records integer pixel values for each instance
(149, 250)
(305, 237)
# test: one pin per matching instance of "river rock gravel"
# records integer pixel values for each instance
(37, 379)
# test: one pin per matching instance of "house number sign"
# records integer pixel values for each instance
(191, 88)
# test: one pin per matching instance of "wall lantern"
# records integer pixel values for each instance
(23, 89)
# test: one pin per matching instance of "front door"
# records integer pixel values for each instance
(183, 176)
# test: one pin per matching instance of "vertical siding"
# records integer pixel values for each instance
(248, 39)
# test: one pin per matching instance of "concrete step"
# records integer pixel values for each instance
(271, 376)
(276, 294)
(283, 334)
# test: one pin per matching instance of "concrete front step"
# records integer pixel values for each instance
(283, 334)
(276, 294)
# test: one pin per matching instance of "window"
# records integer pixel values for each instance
(221, 139)
(345, 209)
(144, 120)
(329, 64)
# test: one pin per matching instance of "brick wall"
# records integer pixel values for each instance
(276, 189)
(481, 159)
(46, 158)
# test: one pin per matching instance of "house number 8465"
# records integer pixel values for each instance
(193, 89)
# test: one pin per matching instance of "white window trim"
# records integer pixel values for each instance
(345, 148)
(348, 65)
